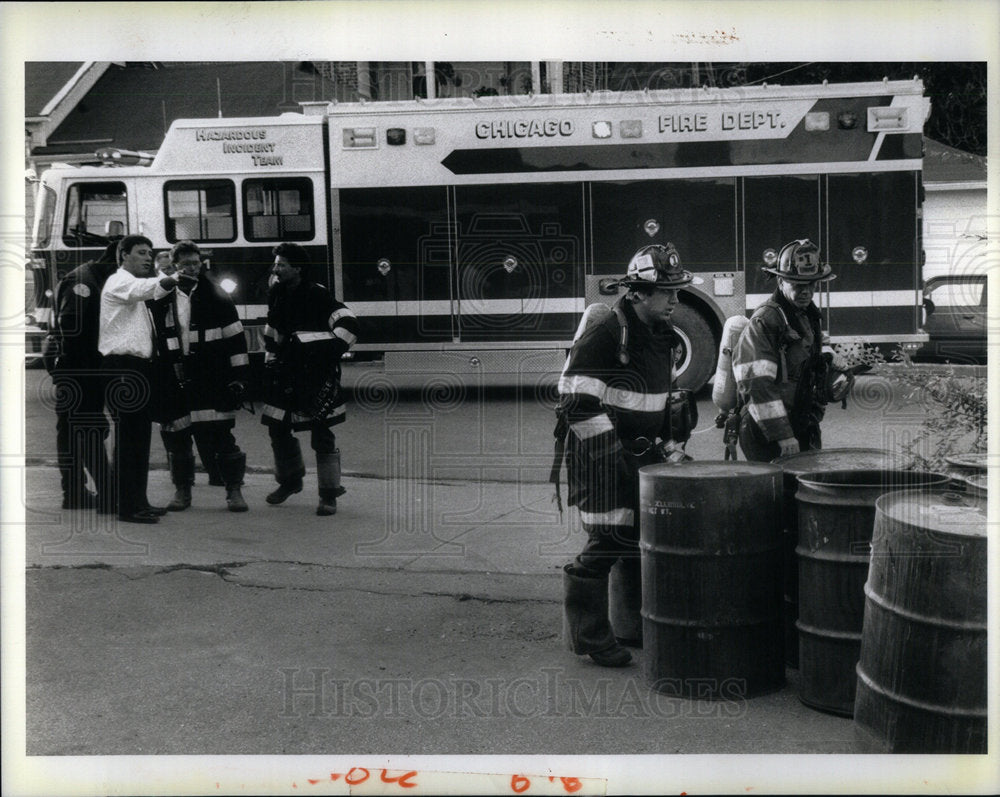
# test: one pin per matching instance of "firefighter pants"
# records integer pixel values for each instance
(213, 439)
(605, 546)
(321, 437)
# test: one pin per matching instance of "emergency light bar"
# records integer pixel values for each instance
(113, 156)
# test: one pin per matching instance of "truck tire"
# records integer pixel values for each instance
(698, 349)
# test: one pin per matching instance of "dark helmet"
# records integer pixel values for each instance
(798, 261)
(657, 266)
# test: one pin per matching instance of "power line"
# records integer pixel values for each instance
(779, 74)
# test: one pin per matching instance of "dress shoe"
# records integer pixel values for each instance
(283, 491)
(155, 511)
(139, 517)
(327, 506)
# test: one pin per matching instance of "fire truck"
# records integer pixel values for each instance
(472, 233)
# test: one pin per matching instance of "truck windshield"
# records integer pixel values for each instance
(94, 213)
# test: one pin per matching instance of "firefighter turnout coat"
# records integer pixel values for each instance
(615, 412)
(194, 385)
(307, 333)
(78, 315)
(771, 356)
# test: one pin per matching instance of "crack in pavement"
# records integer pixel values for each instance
(465, 596)
(226, 572)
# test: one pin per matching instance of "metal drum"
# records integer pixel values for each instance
(836, 515)
(710, 552)
(793, 466)
(922, 684)
(968, 472)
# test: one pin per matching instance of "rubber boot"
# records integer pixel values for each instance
(182, 475)
(586, 628)
(625, 601)
(231, 468)
(328, 476)
(210, 460)
(289, 469)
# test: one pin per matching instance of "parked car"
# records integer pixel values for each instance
(955, 317)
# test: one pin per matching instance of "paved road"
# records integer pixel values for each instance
(423, 619)
(472, 431)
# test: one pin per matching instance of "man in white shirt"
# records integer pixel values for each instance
(126, 341)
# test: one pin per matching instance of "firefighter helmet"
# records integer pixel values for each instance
(658, 266)
(798, 261)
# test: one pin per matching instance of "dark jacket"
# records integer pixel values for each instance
(609, 407)
(307, 333)
(78, 314)
(769, 359)
(193, 388)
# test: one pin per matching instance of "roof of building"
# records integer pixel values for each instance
(131, 106)
(43, 80)
(944, 164)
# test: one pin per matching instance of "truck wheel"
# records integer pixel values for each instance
(698, 349)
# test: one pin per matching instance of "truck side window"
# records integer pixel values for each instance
(278, 209)
(93, 212)
(200, 210)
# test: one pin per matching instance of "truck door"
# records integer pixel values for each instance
(519, 255)
(698, 216)
(776, 210)
(396, 248)
(873, 224)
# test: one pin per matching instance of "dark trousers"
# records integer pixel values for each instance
(212, 440)
(81, 429)
(321, 438)
(129, 386)
(606, 545)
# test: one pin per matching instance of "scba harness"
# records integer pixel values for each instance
(683, 411)
(819, 382)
